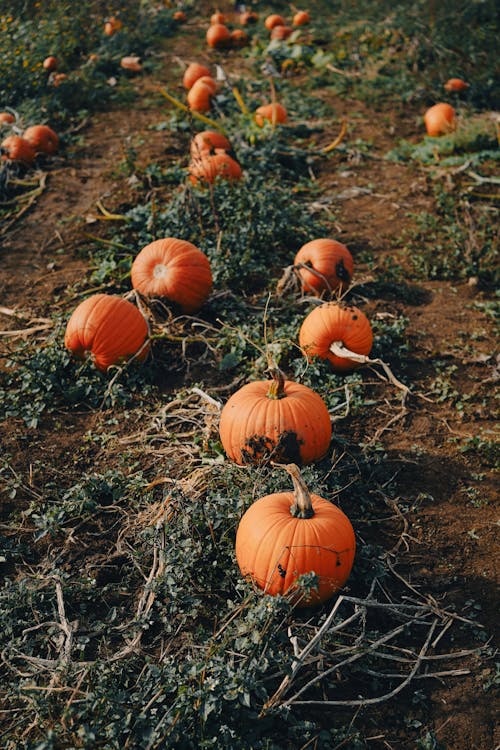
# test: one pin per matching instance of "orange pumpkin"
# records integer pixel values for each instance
(274, 20)
(179, 16)
(7, 118)
(440, 119)
(112, 25)
(456, 84)
(42, 138)
(16, 148)
(278, 419)
(50, 63)
(281, 32)
(217, 17)
(208, 142)
(192, 73)
(301, 18)
(218, 36)
(211, 166)
(248, 16)
(110, 329)
(274, 113)
(239, 38)
(57, 78)
(175, 270)
(331, 266)
(288, 534)
(332, 323)
(200, 94)
(132, 63)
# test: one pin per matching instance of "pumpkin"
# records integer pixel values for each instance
(210, 166)
(278, 419)
(132, 63)
(289, 534)
(192, 73)
(334, 323)
(218, 36)
(42, 138)
(217, 17)
(208, 142)
(200, 94)
(248, 16)
(112, 25)
(6, 118)
(57, 78)
(16, 148)
(273, 113)
(281, 32)
(301, 18)
(175, 270)
(456, 84)
(239, 38)
(440, 119)
(331, 266)
(179, 16)
(110, 329)
(50, 63)
(274, 20)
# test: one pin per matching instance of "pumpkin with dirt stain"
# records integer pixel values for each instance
(16, 148)
(275, 420)
(331, 266)
(175, 270)
(289, 534)
(109, 329)
(331, 323)
(43, 139)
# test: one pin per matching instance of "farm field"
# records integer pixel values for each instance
(126, 622)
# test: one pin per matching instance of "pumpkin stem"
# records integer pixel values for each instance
(277, 387)
(338, 348)
(302, 508)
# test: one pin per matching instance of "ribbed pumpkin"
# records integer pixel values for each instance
(289, 534)
(274, 20)
(208, 142)
(42, 138)
(301, 18)
(211, 166)
(218, 36)
(274, 113)
(16, 148)
(109, 328)
(334, 322)
(278, 419)
(440, 119)
(200, 94)
(175, 270)
(331, 263)
(192, 73)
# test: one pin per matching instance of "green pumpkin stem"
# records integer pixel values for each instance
(302, 508)
(277, 387)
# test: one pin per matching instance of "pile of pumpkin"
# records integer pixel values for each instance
(35, 140)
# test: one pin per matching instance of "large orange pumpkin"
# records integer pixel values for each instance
(175, 270)
(288, 534)
(331, 266)
(274, 113)
(192, 73)
(332, 323)
(208, 142)
(278, 419)
(42, 138)
(210, 166)
(218, 36)
(109, 328)
(16, 148)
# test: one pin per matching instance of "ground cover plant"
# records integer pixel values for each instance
(126, 620)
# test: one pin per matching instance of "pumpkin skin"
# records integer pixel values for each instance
(42, 138)
(332, 322)
(50, 63)
(179, 16)
(281, 32)
(456, 84)
(270, 111)
(132, 63)
(208, 142)
(200, 94)
(108, 327)
(329, 258)
(6, 118)
(248, 16)
(278, 419)
(175, 270)
(274, 547)
(192, 73)
(239, 38)
(16, 148)
(301, 18)
(440, 120)
(274, 20)
(218, 36)
(217, 17)
(211, 166)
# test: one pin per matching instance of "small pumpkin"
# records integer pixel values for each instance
(16, 148)
(200, 94)
(274, 20)
(440, 119)
(175, 270)
(331, 266)
(112, 25)
(218, 36)
(6, 118)
(179, 16)
(208, 142)
(334, 323)
(455, 84)
(110, 329)
(281, 32)
(56, 79)
(248, 16)
(50, 63)
(239, 38)
(278, 419)
(132, 63)
(273, 113)
(42, 138)
(301, 18)
(289, 534)
(192, 73)
(211, 166)
(217, 17)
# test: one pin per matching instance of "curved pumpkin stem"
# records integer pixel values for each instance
(277, 387)
(302, 508)
(340, 350)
